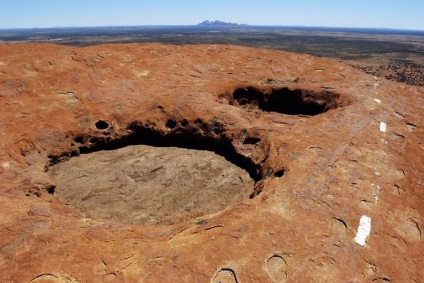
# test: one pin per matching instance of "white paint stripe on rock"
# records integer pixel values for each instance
(383, 127)
(364, 230)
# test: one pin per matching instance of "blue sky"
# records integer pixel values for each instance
(401, 14)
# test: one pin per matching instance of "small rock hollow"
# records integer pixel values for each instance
(180, 171)
(225, 275)
(284, 100)
(101, 125)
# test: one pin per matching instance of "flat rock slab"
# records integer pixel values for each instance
(306, 129)
(145, 184)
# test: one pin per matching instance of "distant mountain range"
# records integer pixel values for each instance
(219, 24)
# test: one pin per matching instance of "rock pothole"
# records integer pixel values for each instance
(101, 125)
(225, 275)
(179, 171)
(283, 100)
(275, 266)
(145, 184)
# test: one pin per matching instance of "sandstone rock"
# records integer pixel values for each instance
(306, 130)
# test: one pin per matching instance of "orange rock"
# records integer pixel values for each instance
(306, 129)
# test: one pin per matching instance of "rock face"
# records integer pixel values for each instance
(336, 157)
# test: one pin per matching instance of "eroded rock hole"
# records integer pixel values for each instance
(101, 125)
(79, 139)
(225, 275)
(170, 124)
(252, 140)
(154, 176)
(284, 100)
(50, 189)
(94, 140)
(279, 173)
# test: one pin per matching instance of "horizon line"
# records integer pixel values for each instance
(212, 26)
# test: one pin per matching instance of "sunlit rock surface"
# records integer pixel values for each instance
(305, 131)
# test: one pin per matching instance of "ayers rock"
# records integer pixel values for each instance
(206, 163)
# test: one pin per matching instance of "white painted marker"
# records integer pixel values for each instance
(376, 100)
(364, 230)
(383, 127)
(376, 194)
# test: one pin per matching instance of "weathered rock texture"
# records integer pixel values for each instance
(143, 184)
(309, 131)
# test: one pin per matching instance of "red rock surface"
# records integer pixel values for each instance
(300, 227)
